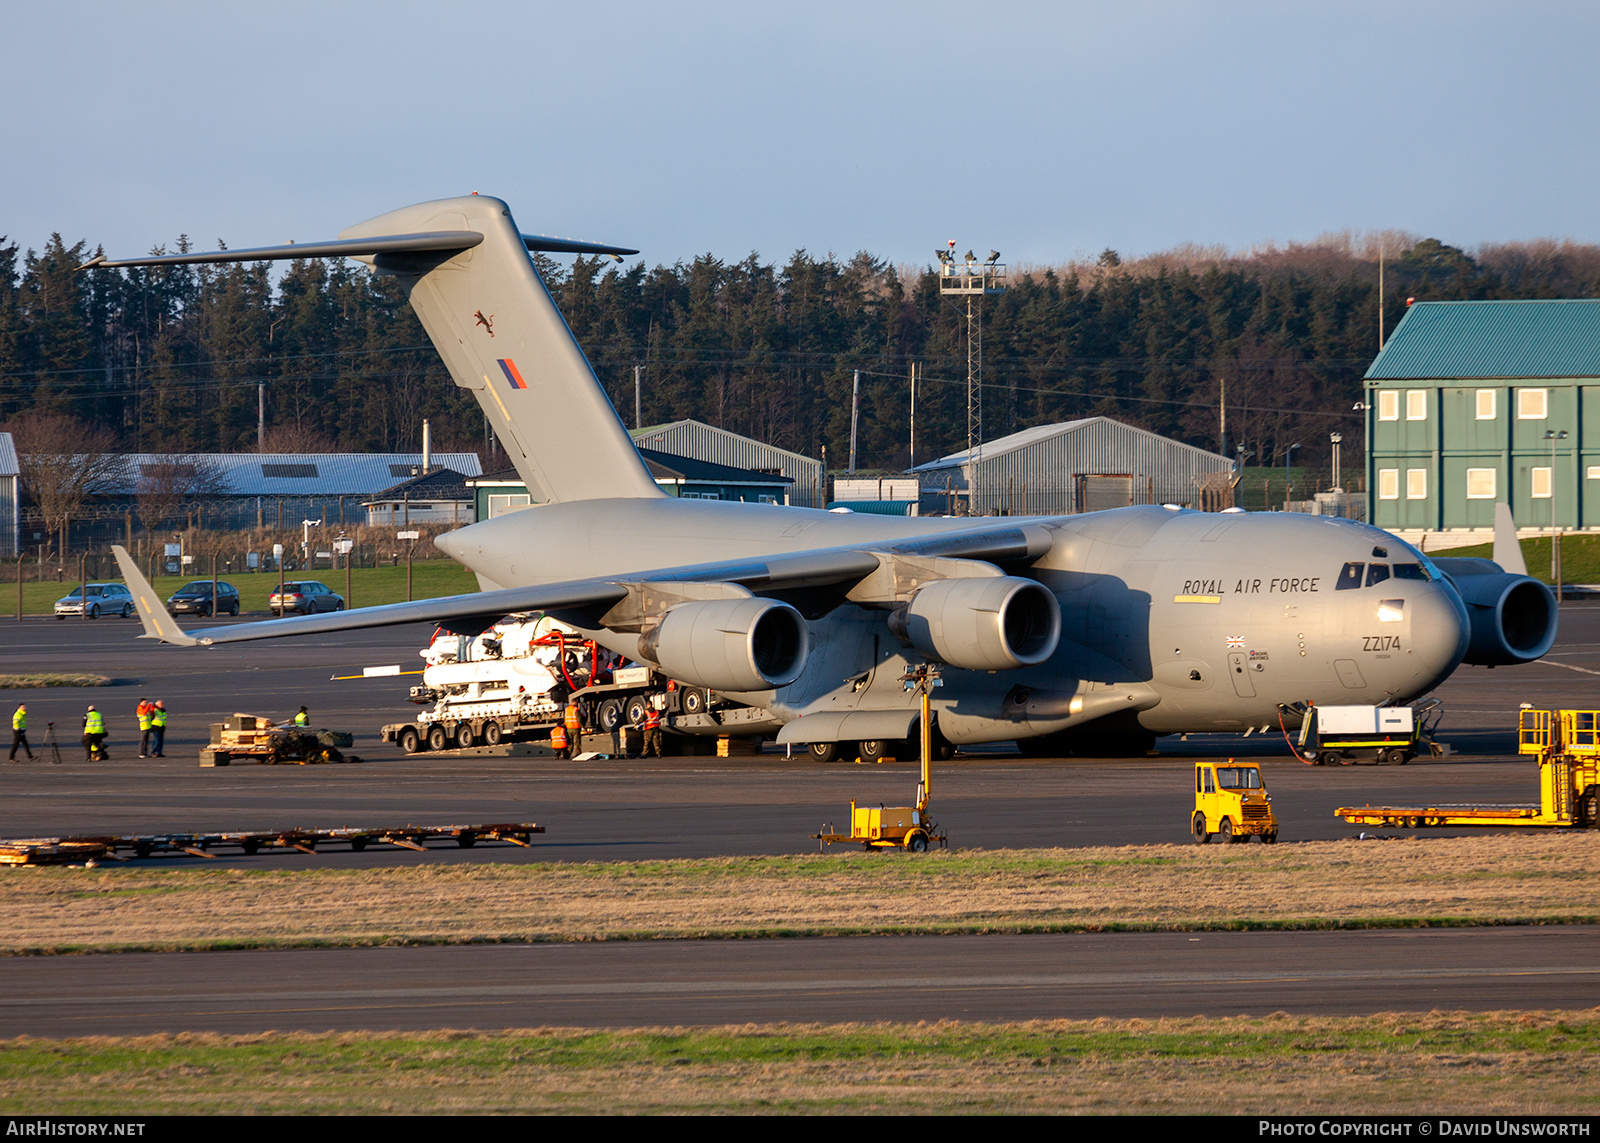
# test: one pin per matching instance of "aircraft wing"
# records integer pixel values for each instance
(476, 611)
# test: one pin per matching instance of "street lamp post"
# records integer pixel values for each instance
(1288, 481)
(1553, 435)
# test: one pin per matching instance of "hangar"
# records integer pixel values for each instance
(1075, 466)
(699, 441)
(1473, 403)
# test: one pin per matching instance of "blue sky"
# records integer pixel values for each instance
(1047, 131)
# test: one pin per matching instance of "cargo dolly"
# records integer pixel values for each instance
(64, 850)
(1567, 746)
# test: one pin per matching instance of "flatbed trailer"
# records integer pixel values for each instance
(1567, 746)
(97, 847)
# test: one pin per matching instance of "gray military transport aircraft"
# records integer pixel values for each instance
(1087, 632)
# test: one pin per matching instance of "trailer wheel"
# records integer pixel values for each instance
(638, 710)
(410, 741)
(823, 751)
(437, 738)
(693, 701)
(464, 735)
(358, 844)
(917, 843)
(250, 846)
(466, 839)
(491, 733)
(609, 716)
(1225, 832)
(1198, 828)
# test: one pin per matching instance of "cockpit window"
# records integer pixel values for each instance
(1238, 777)
(1410, 571)
(1377, 573)
(1349, 577)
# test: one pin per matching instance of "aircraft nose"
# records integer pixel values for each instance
(1439, 630)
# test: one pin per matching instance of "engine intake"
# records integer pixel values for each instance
(730, 644)
(1512, 617)
(982, 624)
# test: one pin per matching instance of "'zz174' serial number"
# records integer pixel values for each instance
(1380, 642)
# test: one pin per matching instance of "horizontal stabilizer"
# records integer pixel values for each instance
(336, 248)
(550, 245)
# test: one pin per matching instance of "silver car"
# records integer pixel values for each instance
(104, 599)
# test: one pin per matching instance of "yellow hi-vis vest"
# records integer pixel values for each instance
(158, 719)
(144, 717)
(19, 721)
(300, 719)
(93, 723)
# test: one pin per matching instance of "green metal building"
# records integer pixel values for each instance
(1473, 403)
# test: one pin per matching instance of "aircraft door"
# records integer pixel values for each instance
(1243, 685)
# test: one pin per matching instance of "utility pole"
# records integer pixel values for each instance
(913, 463)
(261, 416)
(1380, 297)
(855, 409)
(637, 422)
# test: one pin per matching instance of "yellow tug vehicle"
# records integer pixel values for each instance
(1231, 803)
(1567, 746)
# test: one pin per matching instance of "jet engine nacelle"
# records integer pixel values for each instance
(1512, 617)
(982, 624)
(730, 644)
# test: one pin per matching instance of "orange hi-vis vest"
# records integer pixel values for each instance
(558, 738)
(652, 721)
(572, 720)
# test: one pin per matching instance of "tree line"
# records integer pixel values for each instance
(172, 359)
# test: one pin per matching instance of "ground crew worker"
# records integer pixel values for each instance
(303, 718)
(19, 732)
(652, 733)
(94, 736)
(144, 710)
(158, 729)
(572, 720)
(558, 741)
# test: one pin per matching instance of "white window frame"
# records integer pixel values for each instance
(1486, 404)
(1416, 484)
(1388, 484)
(1416, 404)
(502, 503)
(1537, 477)
(1526, 402)
(1485, 491)
(1388, 404)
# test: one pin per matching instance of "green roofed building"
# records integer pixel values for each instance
(1473, 403)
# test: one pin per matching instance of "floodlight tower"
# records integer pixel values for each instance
(971, 279)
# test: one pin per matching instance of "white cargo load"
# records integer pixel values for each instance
(1375, 720)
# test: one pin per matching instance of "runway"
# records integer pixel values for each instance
(982, 978)
(688, 807)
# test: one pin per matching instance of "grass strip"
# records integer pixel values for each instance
(22, 682)
(1543, 878)
(1516, 1063)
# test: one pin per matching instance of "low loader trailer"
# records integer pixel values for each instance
(1567, 746)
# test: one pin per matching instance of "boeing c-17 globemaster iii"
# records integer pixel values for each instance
(1088, 632)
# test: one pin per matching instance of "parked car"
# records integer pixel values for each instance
(104, 599)
(304, 598)
(195, 599)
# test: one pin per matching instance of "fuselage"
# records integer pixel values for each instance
(1178, 621)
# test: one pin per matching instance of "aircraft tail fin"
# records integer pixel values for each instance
(465, 267)
(1507, 549)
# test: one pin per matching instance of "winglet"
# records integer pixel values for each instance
(157, 623)
(1507, 551)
